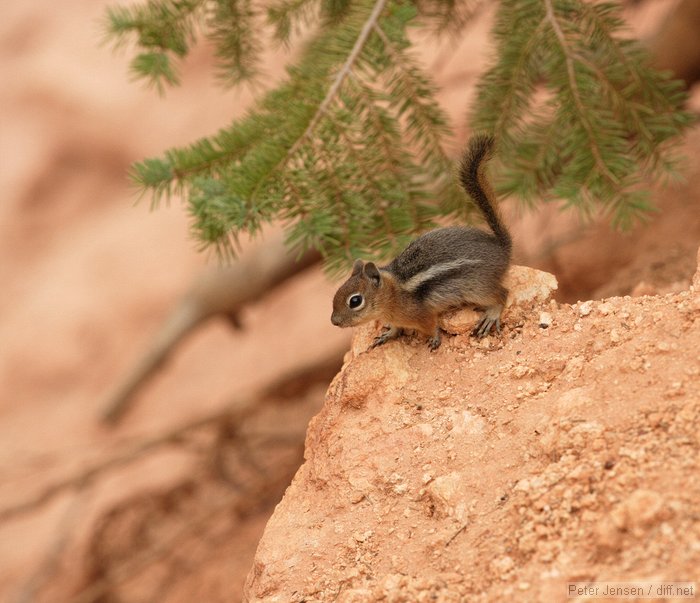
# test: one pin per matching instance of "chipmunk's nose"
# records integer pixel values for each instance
(335, 319)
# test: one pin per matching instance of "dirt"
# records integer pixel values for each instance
(87, 277)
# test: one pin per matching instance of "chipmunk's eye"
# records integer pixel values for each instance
(356, 301)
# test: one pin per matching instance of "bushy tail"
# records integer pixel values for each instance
(474, 181)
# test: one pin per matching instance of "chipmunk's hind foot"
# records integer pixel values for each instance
(489, 321)
(435, 341)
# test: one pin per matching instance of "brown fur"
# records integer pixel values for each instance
(442, 270)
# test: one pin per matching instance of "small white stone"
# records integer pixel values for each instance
(545, 320)
(585, 308)
(605, 308)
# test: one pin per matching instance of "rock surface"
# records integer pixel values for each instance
(499, 469)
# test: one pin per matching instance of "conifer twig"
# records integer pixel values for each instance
(575, 93)
(343, 73)
(333, 91)
(503, 117)
(264, 167)
(221, 291)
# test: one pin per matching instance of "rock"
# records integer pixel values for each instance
(445, 496)
(585, 308)
(643, 288)
(355, 595)
(605, 308)
(529, 285)
(491, 462)
(502, 566)
(608, 536)
(644, 507)
(640, 510)
(525, 285)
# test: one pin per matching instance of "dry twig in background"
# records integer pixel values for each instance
(233, 413)
(217, 292)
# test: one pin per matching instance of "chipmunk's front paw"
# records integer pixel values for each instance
(388, 335)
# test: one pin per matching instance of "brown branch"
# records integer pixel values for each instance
(145, 558)
(219, 291)
(264, 493)
(47, 567)
(457, 533)
(288, 385)
(83, 479)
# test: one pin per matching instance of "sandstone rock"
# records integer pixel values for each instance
(640, 510)
(489, 463)
(525, 285)
(445, 495)
(607, 534)
(529, 285)
(585, 308)
(643, 508)
(503, 565)
(643, 288)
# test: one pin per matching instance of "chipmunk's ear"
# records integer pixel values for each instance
(372, 273)
(357, 267)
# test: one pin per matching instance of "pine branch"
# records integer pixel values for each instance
(349, 150)
(340, 77)
(164, 31)
(575, 92)
(449, 16)
(285, 15)
(234, 30)
(427, 124)
(247, 174)
(603, 126)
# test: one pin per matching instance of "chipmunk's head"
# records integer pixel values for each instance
(355, 300)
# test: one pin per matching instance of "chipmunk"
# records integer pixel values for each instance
(442, 270)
